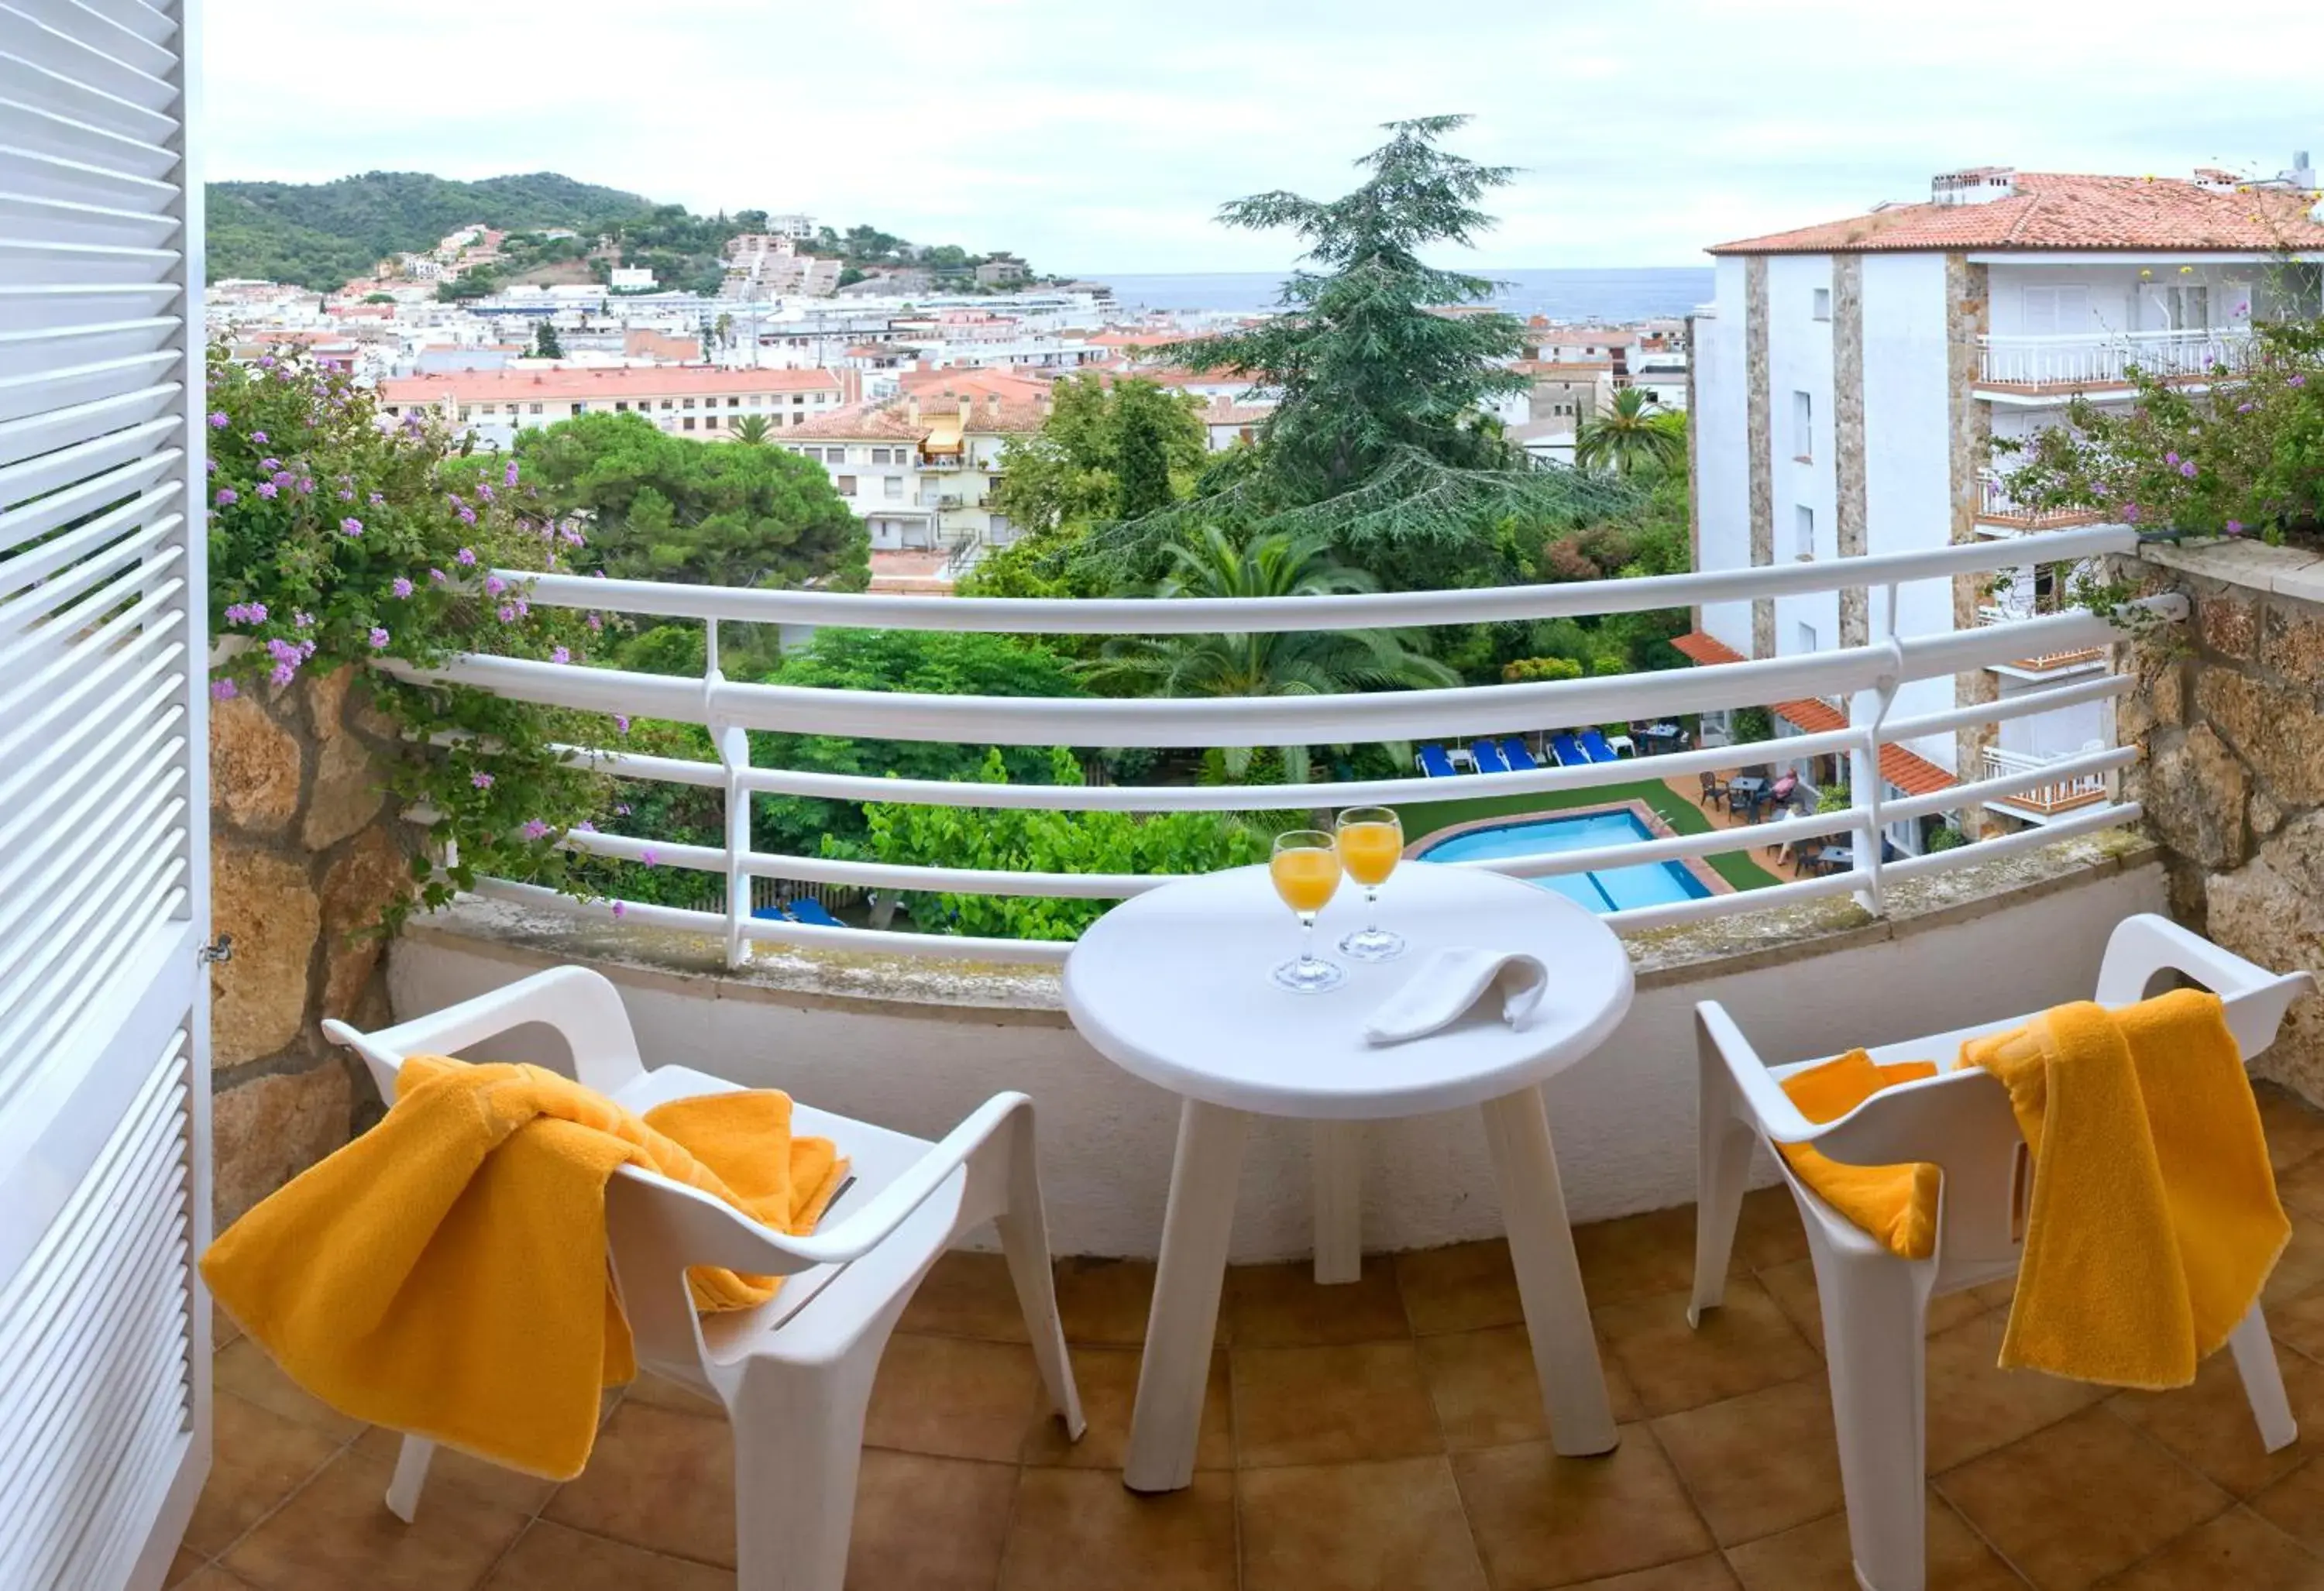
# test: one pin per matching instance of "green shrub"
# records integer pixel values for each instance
(1526, 670)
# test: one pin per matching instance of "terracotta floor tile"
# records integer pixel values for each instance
(2073, 1503)
(1815, 1557)
(1541, 1519)
(660, 1480)
(551, 1558)
(2299, 1321)
(1707, 1573)
(222, 1330)
(1107, 1379)
(2210, 1424)
(1465, 1287)
(1487, 1392)
(1395, 1526)
(474, 1477)
(1974, 1406)
(1637, 1256)
(662, 1393)
(1742, 1346)
(952, 1398)
(967, 1295)
(244, 1369)
(1104, 1303)
(1280, 1306)
(214, 1578)
(1769, 1232)
(1075, 1529)
(1760, 1463)
(2302, 1188)
(1328, 1406)
(2294, 1128)
(257, 1460)
(183, 1565)
(2238, 1551)
(931, 1524)
(2302, 1266)
(2296, 1504)
(338, 1535)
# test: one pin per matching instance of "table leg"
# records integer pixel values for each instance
(1336, 1155)
(1175, 1371)
(1549, 1278)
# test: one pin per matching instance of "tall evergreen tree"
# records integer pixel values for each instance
(1148, 423)
(546, 343)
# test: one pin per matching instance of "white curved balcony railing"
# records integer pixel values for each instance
(2067, 361)
(1868, 677)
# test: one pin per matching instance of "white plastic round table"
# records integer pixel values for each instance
(1172, 987)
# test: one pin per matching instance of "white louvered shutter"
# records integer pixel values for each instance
(103, 842)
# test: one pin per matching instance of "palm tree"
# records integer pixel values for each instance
(1299, 663)
(751, 429)
(1634, 430)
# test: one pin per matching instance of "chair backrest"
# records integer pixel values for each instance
(580, 1006)
(1962, 1121)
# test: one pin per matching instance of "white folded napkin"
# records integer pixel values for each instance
(1444, 989)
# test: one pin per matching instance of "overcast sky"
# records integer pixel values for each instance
(1104, 136)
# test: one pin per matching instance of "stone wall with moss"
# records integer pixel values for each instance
(304, 853)
(2229, 709)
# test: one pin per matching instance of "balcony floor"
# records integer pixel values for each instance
(1384, 1434)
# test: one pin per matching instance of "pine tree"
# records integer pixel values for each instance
(546, 344)
(1146, 419)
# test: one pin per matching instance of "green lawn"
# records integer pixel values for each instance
(1682, 815)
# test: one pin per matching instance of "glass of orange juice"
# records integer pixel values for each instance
(1305, 867)
(1370, 843)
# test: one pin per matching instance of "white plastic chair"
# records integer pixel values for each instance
(1874, 1305)
(795, 1374)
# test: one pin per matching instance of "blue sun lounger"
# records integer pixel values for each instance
(1434, 764)
(1594, 741)
(1567, 750)
(1518, 757)
(812, 913)
(1488, 757)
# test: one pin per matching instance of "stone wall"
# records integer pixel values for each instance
(1968, 315)
(2230, 713)
(1758, 435)
(303, 854)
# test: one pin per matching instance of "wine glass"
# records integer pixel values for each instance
(1305, 867)
(1371, 844)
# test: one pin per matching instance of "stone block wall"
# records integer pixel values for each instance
(304, 853)
(2229, 710)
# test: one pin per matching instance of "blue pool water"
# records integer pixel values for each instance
(1612, 889)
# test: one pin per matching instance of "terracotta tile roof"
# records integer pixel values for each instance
(562, 382)
(1910, 773)
(860, 422)
(2051, 210)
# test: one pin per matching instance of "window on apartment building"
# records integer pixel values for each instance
(879, 456)
(845, 483)
(689, 422)
(688, 403)
(463, 411)
(488, 408)
(1802, 426)
(710, 422)
(798, 397)
(580, 409)
(733, 403)
(2063, 308)
(1822, 304)
(1808, 640)
(1803, 531)
(535, 409)
(892, 488)
(665, 403)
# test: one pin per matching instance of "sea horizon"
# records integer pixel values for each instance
(1600, 293)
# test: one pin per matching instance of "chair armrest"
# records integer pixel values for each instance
(1761, 1096)
(2255, 998)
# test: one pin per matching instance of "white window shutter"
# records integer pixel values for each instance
(105, 1192)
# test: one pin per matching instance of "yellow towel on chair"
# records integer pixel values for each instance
(445, 1274)
(2154, 1220)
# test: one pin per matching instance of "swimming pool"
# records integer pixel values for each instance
(1609, 889)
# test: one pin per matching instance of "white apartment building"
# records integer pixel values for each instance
(705, 402)
(919, 469)
(1848, 380)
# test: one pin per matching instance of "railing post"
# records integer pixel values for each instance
(734, 743)
(1865, 710)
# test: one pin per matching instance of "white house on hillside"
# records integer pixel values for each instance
(1848, 380)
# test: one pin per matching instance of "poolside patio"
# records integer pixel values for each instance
(1382, 1435)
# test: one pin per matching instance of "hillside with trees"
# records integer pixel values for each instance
(320, 234)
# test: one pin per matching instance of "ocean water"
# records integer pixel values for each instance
(1560, 295)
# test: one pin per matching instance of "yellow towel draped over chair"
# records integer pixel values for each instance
(445, 1274)
(2154, 1220)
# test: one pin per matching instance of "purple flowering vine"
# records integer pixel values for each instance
(466, 557)
(267, 488)
(219, 421)
(258, 439)
(561, 655)
(401, 587)
(648, 857)
(246, 614)
(482, 781)
(351, 526)
(621, 723)
(227, 496)
(224, 690)
(494, 586)
(378, 639)
(438, 576)
(508, 612)
(534, 829)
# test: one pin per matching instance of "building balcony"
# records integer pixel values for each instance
(2047, 660)
(1997, 509)
(2052, 797)
(2102, 364)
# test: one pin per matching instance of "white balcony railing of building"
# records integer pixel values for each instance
(1866, 678)
(2062, 788)
(1996, 505)
(2005, 615)
(2069, 361)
